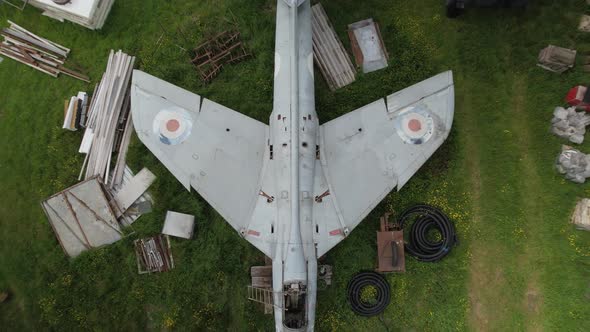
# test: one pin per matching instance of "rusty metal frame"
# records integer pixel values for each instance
(22, 7)
(356, 49)
(390, 234)
(64, 193)
(162, 245)
(222, 49)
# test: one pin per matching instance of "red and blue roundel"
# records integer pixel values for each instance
(173, 126)
(415, 124)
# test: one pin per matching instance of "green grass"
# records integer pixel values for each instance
(519, 265)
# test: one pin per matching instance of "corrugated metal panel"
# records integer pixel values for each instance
(329, 53)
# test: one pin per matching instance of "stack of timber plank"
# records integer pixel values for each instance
(109, 125)
(44, 55)
(328, 51)
(91, 14)
(75, 110)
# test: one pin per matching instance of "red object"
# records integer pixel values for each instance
(579, 96)
(336, 232)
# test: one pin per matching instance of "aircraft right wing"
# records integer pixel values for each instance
(366, 153)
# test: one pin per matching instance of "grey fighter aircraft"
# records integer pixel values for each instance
(293, 188)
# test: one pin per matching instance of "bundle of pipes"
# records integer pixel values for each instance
(109, 125)
(44, 55)
(91, 14)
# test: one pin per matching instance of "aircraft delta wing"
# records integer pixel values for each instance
(366, 153)
(224, 155)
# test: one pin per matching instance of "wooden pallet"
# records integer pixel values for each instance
(329, 53)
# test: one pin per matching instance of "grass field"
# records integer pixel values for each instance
(519, 265)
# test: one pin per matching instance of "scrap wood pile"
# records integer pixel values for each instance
(109, 125)
(153, 254)
(44, 55)
(212, 55)
(75, 110)
(91, 14)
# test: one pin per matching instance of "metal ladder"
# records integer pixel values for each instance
(263, 295)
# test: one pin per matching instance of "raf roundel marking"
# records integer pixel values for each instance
(173, 126)
(415, 124)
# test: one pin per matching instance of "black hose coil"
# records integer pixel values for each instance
(358, 283)
(426, 218)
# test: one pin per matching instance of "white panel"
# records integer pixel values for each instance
(132, 190)
(179, 225)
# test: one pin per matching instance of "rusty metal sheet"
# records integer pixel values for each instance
(367, 45)
(82, 218)
(390, 251)
(153, 254)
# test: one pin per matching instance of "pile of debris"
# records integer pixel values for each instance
(581, 216)
(567, 123)
(88, 13)
(109, 125)
(132, 189)
(89, 214)
(574, 164)
(46, 56)
(557, 59)
(75, 110)
(153, 254)
(212, 55)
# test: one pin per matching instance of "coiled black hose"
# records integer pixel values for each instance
(425, 218)
(381, 298)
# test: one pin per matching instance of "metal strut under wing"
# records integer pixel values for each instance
(214, 149)
(368, 152)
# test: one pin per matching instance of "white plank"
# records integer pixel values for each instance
(133, 189)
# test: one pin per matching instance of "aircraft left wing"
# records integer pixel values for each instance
(215, 150)
(367, 153)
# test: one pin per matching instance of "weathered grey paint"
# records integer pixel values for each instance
(264, 180)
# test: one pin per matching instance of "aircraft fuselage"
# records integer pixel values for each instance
(293, 140)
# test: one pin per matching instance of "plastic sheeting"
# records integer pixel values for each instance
(574, 164)
(568, 123)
